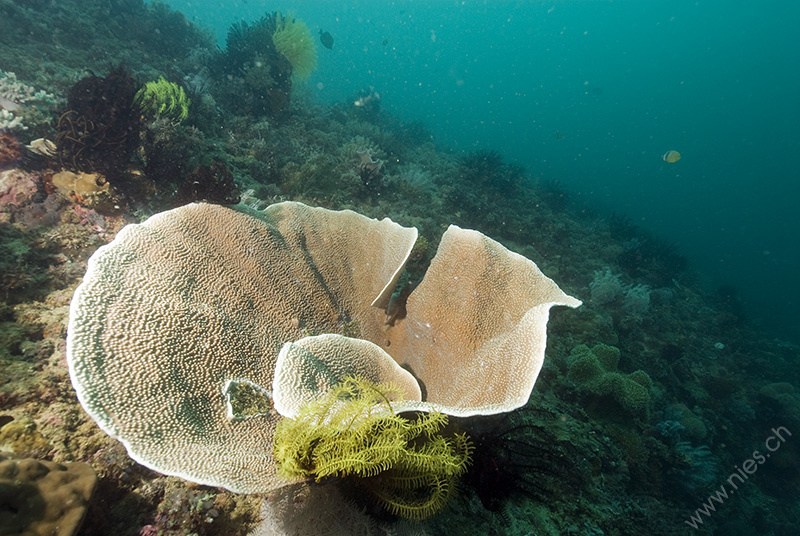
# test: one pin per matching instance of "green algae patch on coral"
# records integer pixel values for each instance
(21, 437)
(610, 393)
(630, 396)
(642, 378)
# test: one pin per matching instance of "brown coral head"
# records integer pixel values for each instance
(43, 497)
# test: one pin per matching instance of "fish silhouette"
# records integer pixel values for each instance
(671, 156)
(326, 39)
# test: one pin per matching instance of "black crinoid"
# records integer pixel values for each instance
(99, 131)
(518, 455)
(253, 76)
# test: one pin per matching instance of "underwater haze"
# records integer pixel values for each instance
(590, 95)
(200, 199)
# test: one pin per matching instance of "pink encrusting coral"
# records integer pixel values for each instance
(18, 188)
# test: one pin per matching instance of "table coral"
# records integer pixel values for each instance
(177, 310)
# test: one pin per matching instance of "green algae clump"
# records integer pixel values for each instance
(631, 396)
(408, 465)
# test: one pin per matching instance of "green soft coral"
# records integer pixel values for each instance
(409, 465)
(594, 371)
(163, 99)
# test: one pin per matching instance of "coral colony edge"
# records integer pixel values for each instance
(227, 308)
(297, 265)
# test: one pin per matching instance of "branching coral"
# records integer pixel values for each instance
(408, 464)
(8, 121)
(607, 287)
(13, 93)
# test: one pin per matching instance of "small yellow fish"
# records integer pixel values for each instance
(671, 156)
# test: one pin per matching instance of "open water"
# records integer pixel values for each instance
(590, 94)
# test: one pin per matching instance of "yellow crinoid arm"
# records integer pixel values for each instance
(409, 464)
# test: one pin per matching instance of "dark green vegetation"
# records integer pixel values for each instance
(255, 78)
(630, 437)
(23, 264)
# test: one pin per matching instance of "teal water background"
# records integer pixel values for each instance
(591, 94)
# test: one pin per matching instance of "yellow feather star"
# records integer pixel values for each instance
(409, 465)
